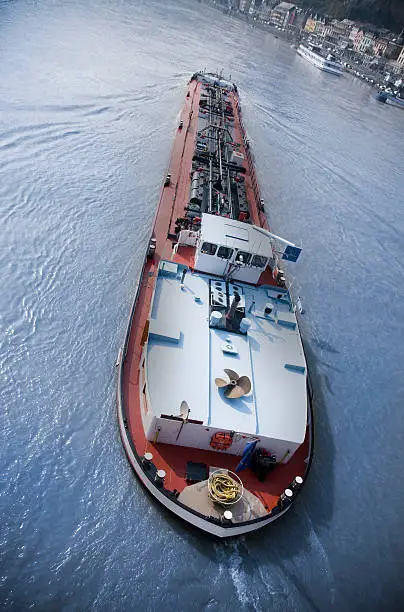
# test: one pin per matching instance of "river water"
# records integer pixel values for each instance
(90, 94)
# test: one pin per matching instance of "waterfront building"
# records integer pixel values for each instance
(366, 43)
(283, 14)
(264, 8)
(310, 25)
(400, 59)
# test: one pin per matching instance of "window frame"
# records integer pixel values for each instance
(245, 263)
(228, 249)
(210, 244)
(254, 265)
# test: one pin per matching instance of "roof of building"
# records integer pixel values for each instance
(284, 6)
(234, 234)
(185, 355)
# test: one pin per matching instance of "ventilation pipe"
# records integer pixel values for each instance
(233, 307)
(215, 318)
(245, 325)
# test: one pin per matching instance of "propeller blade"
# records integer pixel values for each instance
(184, 410)
(245, 383)
(220, 382)
(234, 392)
(232, 374)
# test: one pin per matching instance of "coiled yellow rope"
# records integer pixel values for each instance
(224, 488)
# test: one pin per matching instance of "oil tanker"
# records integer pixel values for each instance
(213, 394)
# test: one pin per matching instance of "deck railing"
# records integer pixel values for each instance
(251, 168)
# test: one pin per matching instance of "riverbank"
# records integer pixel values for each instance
(288, 34)
(295, 36)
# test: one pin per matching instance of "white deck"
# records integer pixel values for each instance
(184, 356)
(236, 414)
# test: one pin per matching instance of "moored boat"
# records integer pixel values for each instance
(389, 98)
(326, 63)
(214, 406)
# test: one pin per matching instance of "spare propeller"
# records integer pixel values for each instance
(237, 386)
(184, 414)
(184, 410)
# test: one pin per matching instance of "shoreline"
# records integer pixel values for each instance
(374, 79)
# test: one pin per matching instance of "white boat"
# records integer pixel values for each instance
(314, 55)
(389, 98)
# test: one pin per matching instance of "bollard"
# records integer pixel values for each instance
(147, 459)
(227, 516)
(159, 478)
(296, 483)
(286, 498)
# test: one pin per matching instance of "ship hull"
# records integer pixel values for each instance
(130, 382)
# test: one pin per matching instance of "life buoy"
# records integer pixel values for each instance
(221, 441)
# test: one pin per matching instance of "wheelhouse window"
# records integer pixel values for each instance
(259, 261)
(224, 252)
(243, 257)
(208, 248)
